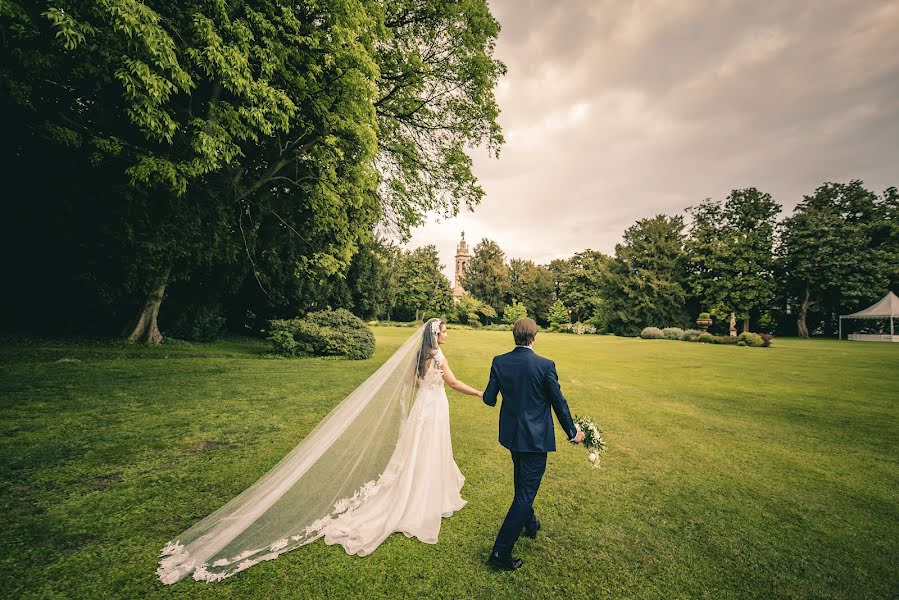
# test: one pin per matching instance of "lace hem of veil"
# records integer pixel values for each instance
(290, 505)
(175, 560)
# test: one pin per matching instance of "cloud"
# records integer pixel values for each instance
(616, 111)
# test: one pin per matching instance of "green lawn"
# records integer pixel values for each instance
(730, 472)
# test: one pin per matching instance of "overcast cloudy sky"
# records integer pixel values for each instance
(617, 110)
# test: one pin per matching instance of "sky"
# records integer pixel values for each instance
(618, 110)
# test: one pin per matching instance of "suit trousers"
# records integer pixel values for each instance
(529, 469)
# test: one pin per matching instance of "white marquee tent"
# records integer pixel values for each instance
(886, 308)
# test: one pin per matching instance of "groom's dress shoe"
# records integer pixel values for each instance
(531, 531)
(506, 563)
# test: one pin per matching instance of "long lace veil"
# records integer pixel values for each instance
(339, 464)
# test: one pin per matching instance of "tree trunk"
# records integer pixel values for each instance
(746, 325)
(803, 311)
(733, 325)
(145, 328)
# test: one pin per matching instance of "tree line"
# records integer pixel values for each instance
(196, 167)
(836, 253)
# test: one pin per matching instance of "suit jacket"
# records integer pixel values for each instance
(529, 385)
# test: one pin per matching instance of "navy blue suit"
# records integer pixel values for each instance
(530, 387)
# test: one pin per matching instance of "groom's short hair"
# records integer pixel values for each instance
(524, 331)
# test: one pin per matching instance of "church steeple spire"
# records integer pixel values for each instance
(462, 258)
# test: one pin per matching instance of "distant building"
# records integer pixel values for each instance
(462, 258)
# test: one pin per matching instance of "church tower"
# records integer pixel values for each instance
(462, 258)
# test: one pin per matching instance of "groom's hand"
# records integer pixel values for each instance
(578, 438)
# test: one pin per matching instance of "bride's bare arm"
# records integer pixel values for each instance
(457, 385)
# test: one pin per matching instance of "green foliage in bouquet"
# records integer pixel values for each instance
(593, 442)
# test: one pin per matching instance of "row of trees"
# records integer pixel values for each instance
(198, 165)
(185, 162)
(836, 253)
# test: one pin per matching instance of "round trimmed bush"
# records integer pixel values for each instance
(752, 339)
(706, 338)
(652, 333)
(741, 343)
(324, 333)
(673, 333)
(704, 316)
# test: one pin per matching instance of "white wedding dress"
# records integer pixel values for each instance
(421, 483)
(380, 461)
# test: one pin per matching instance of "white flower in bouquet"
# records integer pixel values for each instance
(593, 441)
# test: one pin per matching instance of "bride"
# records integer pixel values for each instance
(380, 462)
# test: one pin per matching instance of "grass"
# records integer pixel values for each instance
(731, 472)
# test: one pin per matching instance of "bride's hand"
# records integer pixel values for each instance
(480, 394)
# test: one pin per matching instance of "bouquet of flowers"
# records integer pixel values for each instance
(593, 441)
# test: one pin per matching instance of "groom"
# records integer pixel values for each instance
(529, 386)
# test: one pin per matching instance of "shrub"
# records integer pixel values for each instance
(751, 339)
(513, 312)
(600, 318)
(766, 340)
(558, 314)
(692, 335)
(673, 333)
(706, 338)
(576, 328)
(703, 316)
(741, 343)
(494, 327)
(726, 340)
(281, 334)
(652, 333)
(324, 333)
(199, 323)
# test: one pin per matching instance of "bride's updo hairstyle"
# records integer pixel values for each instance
(429, 344)
(524, 331)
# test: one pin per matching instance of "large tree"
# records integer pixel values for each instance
(645, 280)
(532, 285)
(487, 277)
(435, 99)
(370, 287)
(581, 284)
(272, 137)
(422, 288)
(730, 253)
(838, 251)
